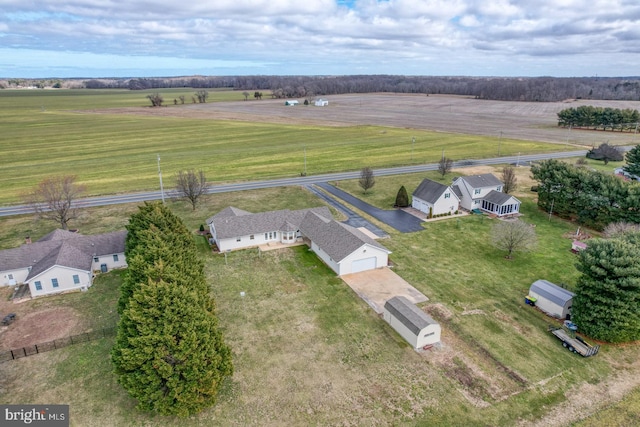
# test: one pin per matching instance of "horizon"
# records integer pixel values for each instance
(161, 38)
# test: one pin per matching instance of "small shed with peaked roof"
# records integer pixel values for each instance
(552, 299)
(413, 324)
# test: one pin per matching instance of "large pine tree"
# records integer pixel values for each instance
(633, 161)
(607, 302)
(169, 353)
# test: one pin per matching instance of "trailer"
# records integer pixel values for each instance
(573, 342)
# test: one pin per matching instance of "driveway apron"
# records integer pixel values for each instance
(353, 219)
(396, 218)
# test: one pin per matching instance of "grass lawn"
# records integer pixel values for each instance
(114, 150)
(308, 351)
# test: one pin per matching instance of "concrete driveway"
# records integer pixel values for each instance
(396, 218)
(377, 286)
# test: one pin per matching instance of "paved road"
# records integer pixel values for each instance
(353, 219)
(302, 180)
(396, 218)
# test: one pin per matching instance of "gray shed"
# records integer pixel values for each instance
(413, 324)
(552, 299)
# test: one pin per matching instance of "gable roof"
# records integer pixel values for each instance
(66, 249)
(409, 314)
(59, 234)
(228, 226)
(227, 213)
(430, 191)
(551, 292)
(482, 181)
(338, 240)
(499, 198)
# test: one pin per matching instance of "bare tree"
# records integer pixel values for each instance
(53, 197)
(246, 95)
(156, 99)
(202, 96)
(618, 229)
(181, 97)
(191, 184)
(513, 236)
(367, 180)
(509, 179)
(444, 165)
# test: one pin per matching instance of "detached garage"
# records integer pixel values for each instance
(413, 324)
(551, 298)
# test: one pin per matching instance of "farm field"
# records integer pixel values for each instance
(308, 351)
(111, 139)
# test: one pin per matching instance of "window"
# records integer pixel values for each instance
(96, 259)
(429, 334)
(251, 237)
(265, 236)
(76, 279)
(10, 277)
(499, 188)
(115, 257)
(54, 282)
(38, 285)
(476, 191)
(238, 239)
(447, 195)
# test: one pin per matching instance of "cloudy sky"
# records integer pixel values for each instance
(116, 38)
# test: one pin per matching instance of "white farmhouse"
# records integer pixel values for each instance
(484, 192)
(62, 261)
(321, 102)
(434, 198)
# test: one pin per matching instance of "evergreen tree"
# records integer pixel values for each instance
(607, 302)
(402, 198)
(169, 353)
(633, 161)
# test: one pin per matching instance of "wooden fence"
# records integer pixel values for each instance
(19, 353)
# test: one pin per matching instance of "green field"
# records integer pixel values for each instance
(113, 150)
(308, 351)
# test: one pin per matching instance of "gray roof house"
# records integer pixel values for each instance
(413, 324)
(62, 261)
(434, 198)
(342, 247)
(484, 192)
(552, 299)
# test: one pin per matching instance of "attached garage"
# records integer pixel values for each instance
(551, 298)
(413, 324)
(364, 264)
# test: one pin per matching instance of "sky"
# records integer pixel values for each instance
(161, 38)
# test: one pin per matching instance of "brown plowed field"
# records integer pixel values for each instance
(536, 121)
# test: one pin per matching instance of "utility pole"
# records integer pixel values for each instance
(304, 147)
(160, 175)
(499, 143)
(413, 141)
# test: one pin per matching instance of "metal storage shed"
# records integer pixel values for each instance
(413, 324)
(552, 299)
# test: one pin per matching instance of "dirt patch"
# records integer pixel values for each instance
(39, 327)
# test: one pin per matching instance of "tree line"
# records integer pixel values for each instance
(593, 199)
(543, 89)
(169, 352)
(587, 116)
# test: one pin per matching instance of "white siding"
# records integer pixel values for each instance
(326, 258)
(550, 307)
(65, 280)
(245, 242)
(426, 336)
(109, 261)
(365, 251)
(19, 276)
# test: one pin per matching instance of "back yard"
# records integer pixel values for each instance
(307, 351)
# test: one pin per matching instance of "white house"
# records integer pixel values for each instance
(434, 198)
(413, 324)
(62, 261)
(343, 248)
(552, 299)
(321, 102)
(484, 192)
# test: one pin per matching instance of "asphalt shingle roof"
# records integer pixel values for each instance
(338, 240)
(498, 197)
(429, 191)
(482, 181)
(408, 314)
(65, 249)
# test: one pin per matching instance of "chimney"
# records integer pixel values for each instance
(27, 240)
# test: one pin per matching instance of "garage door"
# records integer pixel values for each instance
(363, 265)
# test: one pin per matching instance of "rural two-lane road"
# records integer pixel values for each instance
(301, 180)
